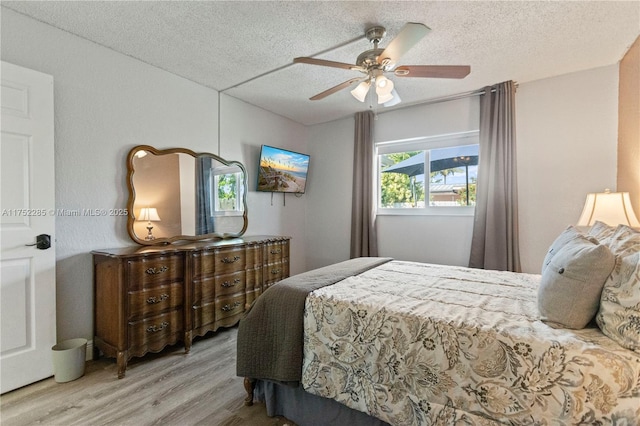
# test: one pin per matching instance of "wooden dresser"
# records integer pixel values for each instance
(149, 297)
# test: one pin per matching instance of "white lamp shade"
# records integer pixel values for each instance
(360, 92)
(149, 214)
(612, 208)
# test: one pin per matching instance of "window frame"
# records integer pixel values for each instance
(239, 187)
(424, 143)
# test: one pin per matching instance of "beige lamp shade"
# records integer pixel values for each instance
(612, 208)
(149, 214)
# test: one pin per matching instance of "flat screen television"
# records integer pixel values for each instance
(282, 170)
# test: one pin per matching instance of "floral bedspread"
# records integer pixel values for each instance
(414, 344)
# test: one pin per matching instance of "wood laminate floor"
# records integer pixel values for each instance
(170, 388)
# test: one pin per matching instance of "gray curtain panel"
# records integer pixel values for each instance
(363, 207)
(204, 214)
(495, 231)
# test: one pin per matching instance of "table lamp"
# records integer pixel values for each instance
(149, 214)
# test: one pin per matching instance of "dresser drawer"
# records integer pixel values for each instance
(219, 261)
(230, 260)
(207, 289)
(276, 251)
(229, 306)
(275, 272)
(230, 283)
(151, 301)
(156, 332)
(154, 271)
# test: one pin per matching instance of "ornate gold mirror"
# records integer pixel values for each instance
(177, 194)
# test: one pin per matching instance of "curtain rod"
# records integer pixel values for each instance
(476, 92)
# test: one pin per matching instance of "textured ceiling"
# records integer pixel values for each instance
(245, 49)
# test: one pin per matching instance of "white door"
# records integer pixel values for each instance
(27, 202)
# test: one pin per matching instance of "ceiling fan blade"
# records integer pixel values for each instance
(408, 36)
(325, 63)
(433, 71)
(334, 89)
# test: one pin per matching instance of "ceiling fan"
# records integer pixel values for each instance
(376, 62)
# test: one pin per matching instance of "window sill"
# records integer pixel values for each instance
(429, 211)
(228, 213)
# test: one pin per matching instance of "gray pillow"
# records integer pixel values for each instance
(568, 234)
(572, 282)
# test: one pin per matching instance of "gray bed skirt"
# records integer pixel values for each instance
(306, 409)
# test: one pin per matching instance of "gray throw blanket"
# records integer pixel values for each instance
(270, 336)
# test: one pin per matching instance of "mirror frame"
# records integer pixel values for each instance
(166, 240)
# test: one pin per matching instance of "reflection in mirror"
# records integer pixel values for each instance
(177, 194)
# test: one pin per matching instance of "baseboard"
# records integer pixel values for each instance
(89, 354)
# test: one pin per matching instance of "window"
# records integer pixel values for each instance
(227, 191)
(427, 174)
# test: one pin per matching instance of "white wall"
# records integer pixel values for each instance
(243, 130)
(105, 104)
(567, 145)
(566, 142)
(440, 118)
(329, 191)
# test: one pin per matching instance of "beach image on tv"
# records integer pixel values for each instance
(282, 171)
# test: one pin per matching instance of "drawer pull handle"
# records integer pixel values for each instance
(231, 284)
(276, 271)
(156, 271)
(275, 251)
(227, 260)
(154, 299)
(227, 307)
(156, 328)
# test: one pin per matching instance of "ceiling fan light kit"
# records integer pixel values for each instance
(375, 62)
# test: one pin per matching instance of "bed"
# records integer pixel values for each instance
(382, 341)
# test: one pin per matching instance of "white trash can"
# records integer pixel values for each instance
(69, 359)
